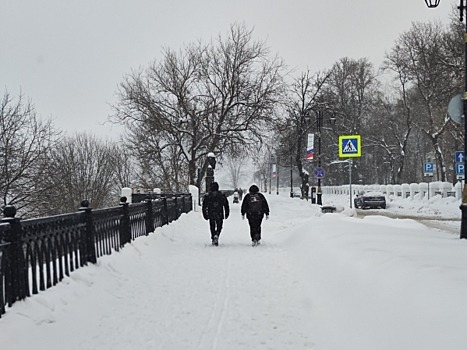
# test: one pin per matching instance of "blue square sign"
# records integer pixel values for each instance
(428, 169)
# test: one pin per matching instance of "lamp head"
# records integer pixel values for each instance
(212, 160)
(432, 3)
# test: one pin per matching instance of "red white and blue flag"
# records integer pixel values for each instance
(310, 149)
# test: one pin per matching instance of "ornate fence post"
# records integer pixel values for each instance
(125, 228)
(165, 211)
(190, 205)
(16, 277)
(149, 217)
(187, 203)
(89, 238)
(181, 201)
(177, 206)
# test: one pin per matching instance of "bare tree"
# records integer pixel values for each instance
(351, 92)
(25, 141)
(206, 98)
(235, 165)
(420, 57)
(301, 108)
(400, 123)
(125, 168)
(82, 167)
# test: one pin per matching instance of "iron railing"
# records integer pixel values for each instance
(36, 254)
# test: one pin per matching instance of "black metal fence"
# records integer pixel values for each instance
(36, 254)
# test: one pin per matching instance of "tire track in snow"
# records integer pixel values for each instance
(224, 306)
(215, 320)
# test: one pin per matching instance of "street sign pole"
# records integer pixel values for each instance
(350, 146)
(319, 199)
(350, 180)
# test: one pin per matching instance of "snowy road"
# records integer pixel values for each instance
(448, 224)
(324, 282)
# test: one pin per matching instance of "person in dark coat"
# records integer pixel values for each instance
(215, 209)
(255, 206)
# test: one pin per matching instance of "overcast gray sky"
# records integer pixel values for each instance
(69, 56)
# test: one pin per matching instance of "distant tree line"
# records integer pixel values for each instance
(233, 97)
(44, 173)
(400, 110)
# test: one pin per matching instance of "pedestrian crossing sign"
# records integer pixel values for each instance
(350, 146)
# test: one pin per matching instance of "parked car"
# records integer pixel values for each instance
(370, 200)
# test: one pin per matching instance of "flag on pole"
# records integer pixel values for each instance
(310, 149)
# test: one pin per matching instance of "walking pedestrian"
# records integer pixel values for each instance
(215, 209)
(255, 206)
(235, 197)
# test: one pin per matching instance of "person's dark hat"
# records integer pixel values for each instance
(214, 186)
(254, 189)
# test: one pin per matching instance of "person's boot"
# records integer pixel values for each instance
(258, 239)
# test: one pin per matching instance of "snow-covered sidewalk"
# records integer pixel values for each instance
(318, 281)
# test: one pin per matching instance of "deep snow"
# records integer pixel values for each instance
(318, 281)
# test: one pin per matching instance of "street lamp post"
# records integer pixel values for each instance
(198, 182)
(462, 7)
(270, 173)
(319, 120)
(210, 170)
(291, 178)
(303, 125)
(318, 192)
(277, 175)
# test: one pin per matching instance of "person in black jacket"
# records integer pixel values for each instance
(215, 209)
(255, 206)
